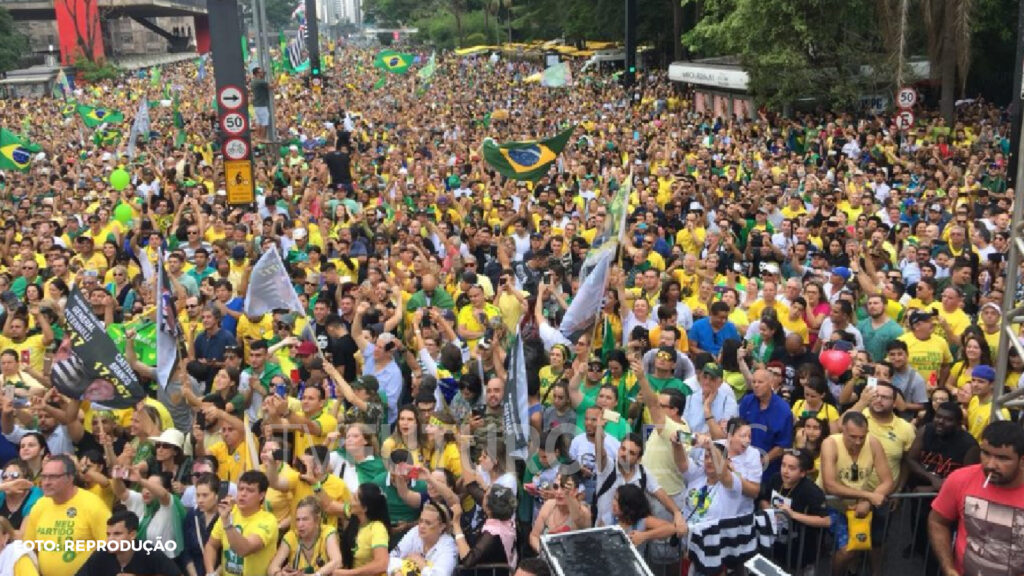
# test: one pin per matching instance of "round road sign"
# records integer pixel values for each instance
(906, 97)
(904, 120)
(233, 123)
(236, 149)
(230, 97)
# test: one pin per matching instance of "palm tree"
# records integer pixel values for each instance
(948, 28)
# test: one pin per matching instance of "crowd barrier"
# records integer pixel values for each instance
(904, 545)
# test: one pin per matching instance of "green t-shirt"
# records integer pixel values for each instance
(589, 399)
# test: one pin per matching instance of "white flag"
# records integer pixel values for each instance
(140, 126)
(270, 288)
(516, 404)
(587, 303)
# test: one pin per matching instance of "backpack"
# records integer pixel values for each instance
(660, 552)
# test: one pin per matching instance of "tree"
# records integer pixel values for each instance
(792, 49)
(279, 14)
(13, 44)
(948, 27)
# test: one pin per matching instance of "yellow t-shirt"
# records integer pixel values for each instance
(759, 305)
(327, 424)
(978, 416)
(958, 321)
(280, 503)
(25, 567)
(895, 436)
(797, 326)
(467, 317)
(230, 465)
(33, 346)
(333, 486)
(317, 555)
(82, 517)
(373, 535)
(827, 411)
(261, 523)
(927, 356)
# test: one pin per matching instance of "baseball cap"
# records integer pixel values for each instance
(843, 272)
(712, 369)
(985, 372)
(919, 316)
(238, 252)
(366, 382)
(305, 348)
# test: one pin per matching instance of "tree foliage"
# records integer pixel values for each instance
(793, 49)
(13, 44)
(279, 14)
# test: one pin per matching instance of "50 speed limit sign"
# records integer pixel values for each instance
(906, 97)
(233, 123)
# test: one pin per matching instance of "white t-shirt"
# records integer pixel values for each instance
(825, 332)
(748, 465)
(710, 503)
(162, 524)
(582, 450)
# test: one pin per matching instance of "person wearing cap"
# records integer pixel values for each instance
(159, 509)
(927, 352)
(363, 399)
(662, 378)
(979, 409)
(990, 321)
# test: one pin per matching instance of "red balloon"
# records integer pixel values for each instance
(835, 362)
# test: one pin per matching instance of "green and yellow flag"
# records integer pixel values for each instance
(393, 62)
(525, 160)
(15, 153)
(93, 116)
(107, 137)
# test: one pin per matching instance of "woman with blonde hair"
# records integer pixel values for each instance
(311, 547)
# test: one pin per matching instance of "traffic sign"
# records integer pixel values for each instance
(236, 149)
(904, 120)
(233, 123)
(238, 175)
(906, 98)
(230, 97)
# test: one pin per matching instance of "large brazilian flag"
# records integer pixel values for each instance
(525, 160)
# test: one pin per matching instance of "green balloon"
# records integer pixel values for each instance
(123, 214)
(119, 179)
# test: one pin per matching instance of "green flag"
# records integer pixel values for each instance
(107, 137)
(93, 116)
(427, 72)
(525, 160)
(154, 76)
(393, 62)
(380, 83)
(15, 153)
(145, 338)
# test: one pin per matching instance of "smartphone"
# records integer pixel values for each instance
(26, 357)
(281, 390)
(868, 369)
(222, 492)
(872, 382)
(612, 416)
(201, 420)
(684, 438)
(478, 411)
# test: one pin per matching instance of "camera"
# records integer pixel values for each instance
(868, 369)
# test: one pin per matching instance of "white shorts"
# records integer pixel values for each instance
(262, 116)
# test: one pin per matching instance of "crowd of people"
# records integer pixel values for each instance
(366, 434)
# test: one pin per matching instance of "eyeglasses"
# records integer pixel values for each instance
(159, 446)
(11, 475)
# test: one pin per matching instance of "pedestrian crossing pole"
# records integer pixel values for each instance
(313, 43)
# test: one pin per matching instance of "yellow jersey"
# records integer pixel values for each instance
(83, 517)
(262, 524)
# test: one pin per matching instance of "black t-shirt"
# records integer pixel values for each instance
(941, 456)
(806, 498)
(340, 166)
(152, 563)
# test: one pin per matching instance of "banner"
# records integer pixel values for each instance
(88, 366)
(270, 288)
(168, 332)
(516, 404)
(140, 127)
(586, 305)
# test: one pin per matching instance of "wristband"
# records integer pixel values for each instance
(460, 536)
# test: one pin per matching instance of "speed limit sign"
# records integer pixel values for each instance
(906, 98)
(233, 123)
(904, 120)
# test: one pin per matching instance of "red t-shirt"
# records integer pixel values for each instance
(987, 519)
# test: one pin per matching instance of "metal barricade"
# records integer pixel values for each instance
(903, 547)
(485, 570)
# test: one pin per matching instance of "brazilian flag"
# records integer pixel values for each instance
(107, 137)
(393, 62)
(525, 160)
(15, 153)
(95, 116)
(68, 109)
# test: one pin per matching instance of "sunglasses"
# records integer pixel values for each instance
(11, 475)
